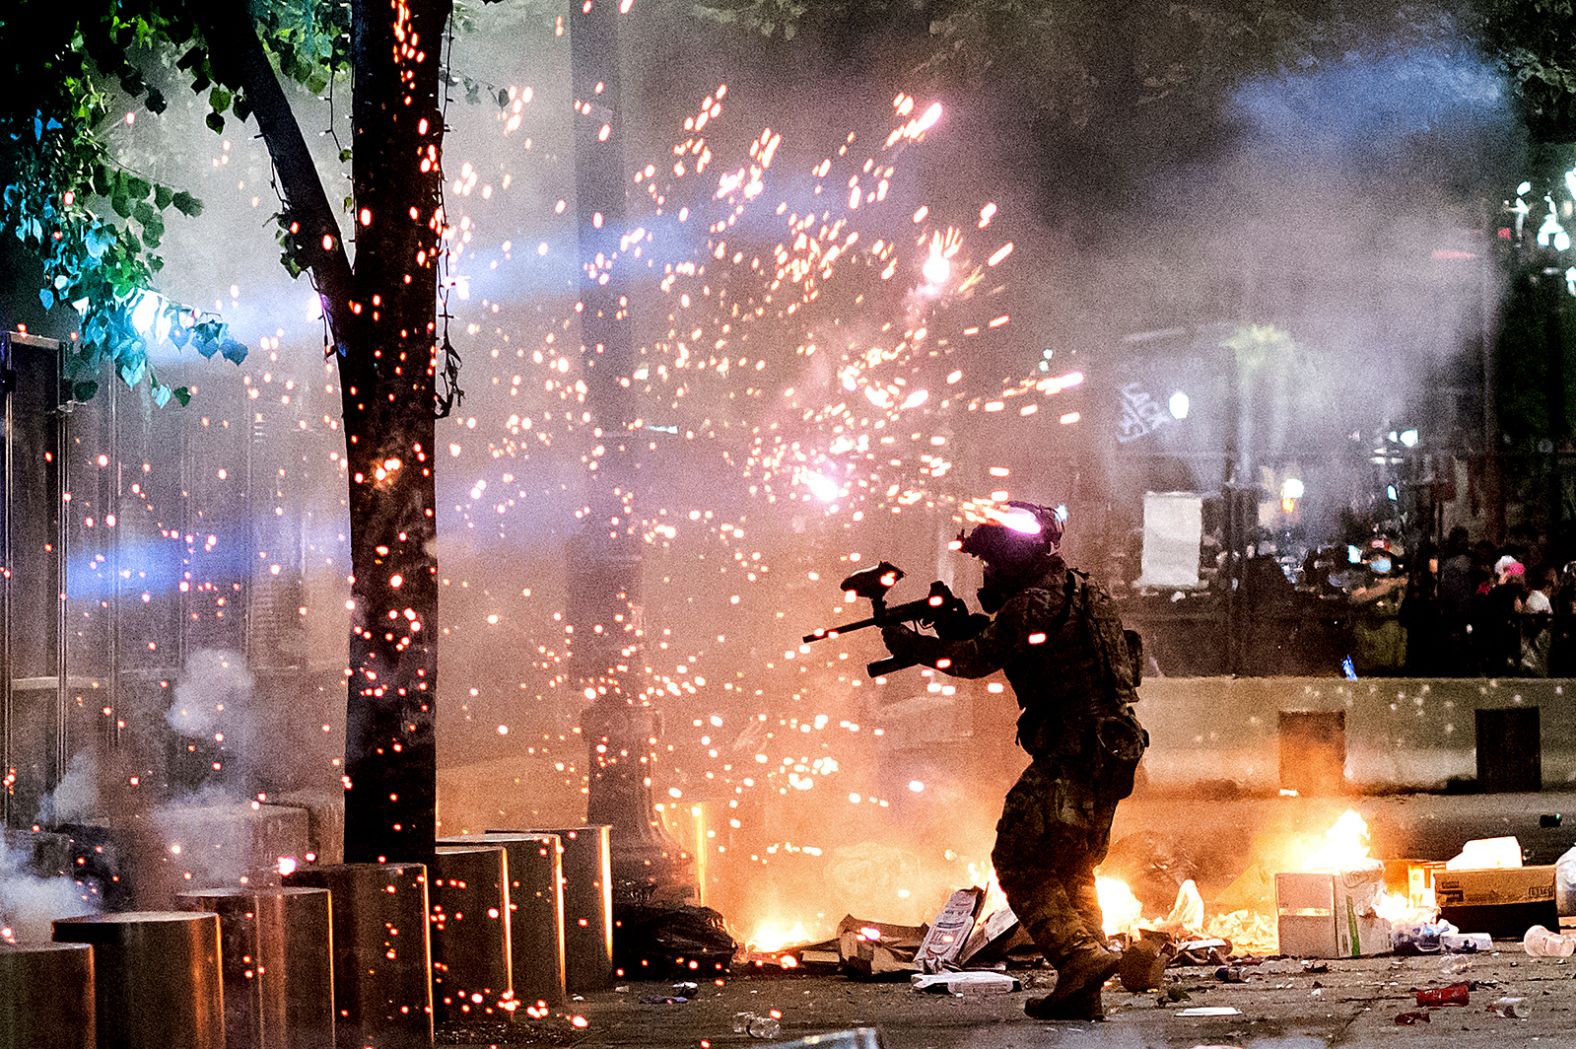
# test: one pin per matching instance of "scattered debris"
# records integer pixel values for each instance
(1416, 1017)
(999, 937)
(1144, 964)
(1229, 974)
(950, 932)
(672, 940)
(1512, 1008)
(1210, 1010)
(764, 1027)
(1455, 994)
(877, 949)
(965, 984)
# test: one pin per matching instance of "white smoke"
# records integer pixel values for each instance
(28, 903)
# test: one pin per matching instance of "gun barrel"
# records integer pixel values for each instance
(846, 628)
(889, 665)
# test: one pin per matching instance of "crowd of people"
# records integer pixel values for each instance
(1465, 609)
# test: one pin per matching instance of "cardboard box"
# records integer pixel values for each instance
(1330, 915)
(1504, 903)
(950, 931)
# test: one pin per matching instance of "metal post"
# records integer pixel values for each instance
(621, 727)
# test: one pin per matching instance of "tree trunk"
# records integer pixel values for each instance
(381, 313)
(387, 394)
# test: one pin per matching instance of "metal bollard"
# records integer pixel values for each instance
(536, 911)
(588, 906)
(156, 976)
(278, 963)
(46, 996)
(470, 933)
(382, 955)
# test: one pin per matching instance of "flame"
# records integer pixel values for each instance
(1120, 910)
(775, 934)
(1344, 847)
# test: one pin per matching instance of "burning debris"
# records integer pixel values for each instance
(1336, 900)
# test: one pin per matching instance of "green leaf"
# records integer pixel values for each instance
(143, 212)
(219, 99)
(215, 123)
(183, 394)
(187, 204)
(162, 195)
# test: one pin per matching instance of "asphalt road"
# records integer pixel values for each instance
(1354, 1004)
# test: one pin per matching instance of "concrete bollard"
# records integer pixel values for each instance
(382, 955)
(278, 964)
(156, 977)
(470, 933)
(588, 906)
(46, 996)
(536, 912)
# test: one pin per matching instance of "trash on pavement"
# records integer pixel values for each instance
(877, 949)
(1321, 915)
(1144, 964)
(1417, 1017)
(1229, 974)
(965, 983)
(757, 1026)
(1467, 942)
(1541, 943)
(1482, 854)
(1455, 994)
(1210, 1010)
(1498, 901)
(996, 937)
(950, 931)
(1513, 1008)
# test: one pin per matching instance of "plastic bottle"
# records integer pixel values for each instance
(765, 1027)
(1467, 942)
(1512, 1008)
(1541, 943)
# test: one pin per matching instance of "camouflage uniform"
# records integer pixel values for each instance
(1060, 641)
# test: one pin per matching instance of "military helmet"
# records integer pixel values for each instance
(1022, 532)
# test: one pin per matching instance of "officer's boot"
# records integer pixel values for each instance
(1079, 977)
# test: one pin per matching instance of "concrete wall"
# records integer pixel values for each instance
(1400, 732)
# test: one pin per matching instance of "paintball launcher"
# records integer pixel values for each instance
(940, 608)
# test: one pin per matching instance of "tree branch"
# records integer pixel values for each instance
(237, 56)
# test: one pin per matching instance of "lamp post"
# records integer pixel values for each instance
(620, 725)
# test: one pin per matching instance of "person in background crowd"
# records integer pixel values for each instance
(1455, 602)
(1421, 614)
(1498, 624)
(1537, 614)
(1562, 641)
(1378, 637)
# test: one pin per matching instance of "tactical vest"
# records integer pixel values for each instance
(1082, 674)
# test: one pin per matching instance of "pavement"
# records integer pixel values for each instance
(1355, 1003)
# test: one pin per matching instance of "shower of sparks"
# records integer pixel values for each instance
(812, 335)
